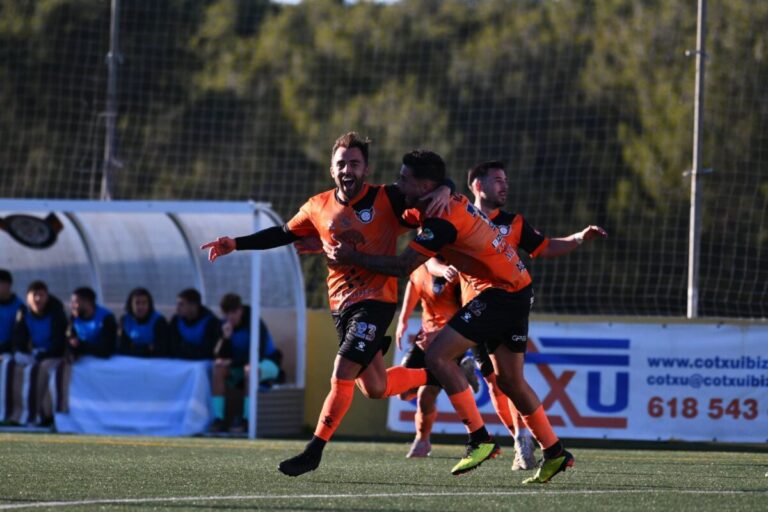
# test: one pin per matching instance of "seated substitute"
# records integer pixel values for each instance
(92, 327)
(195, 330)
(9, 307)
(143, 331)
(39, 338)
(232, 368)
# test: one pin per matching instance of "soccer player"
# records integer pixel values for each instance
(488, 183)
(92, 328)
(362, 303)
(143, 331)
(497, 317)
(435, 285)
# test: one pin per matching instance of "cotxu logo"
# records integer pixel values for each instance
(587, 352)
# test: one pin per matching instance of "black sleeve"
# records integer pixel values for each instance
(124, 343)
(212, 335)
(435, 233)
(105, 346)
(275, 236)
(530, 237)
(20, 333)
(174, 339)
(162, 338)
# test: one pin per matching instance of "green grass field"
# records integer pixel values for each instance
(56, 472)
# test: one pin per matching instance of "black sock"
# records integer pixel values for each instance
(480, 435)
(315, 446)
(554, 451)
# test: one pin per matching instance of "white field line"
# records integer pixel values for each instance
(80, 503)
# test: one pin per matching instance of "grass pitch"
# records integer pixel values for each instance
(56, 472)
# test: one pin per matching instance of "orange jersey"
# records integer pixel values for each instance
(469, 241)
(439, 299)
(370, 222)
(518, 233)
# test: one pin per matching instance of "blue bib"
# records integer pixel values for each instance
(193, 334)
(140, 333)
(40, 330)
(241, 343)
(8, 317)
(88, 331)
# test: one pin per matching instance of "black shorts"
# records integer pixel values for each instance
(414, 358)
(496, 317)
(361, 328)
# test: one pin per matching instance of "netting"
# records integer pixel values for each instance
(589, 103)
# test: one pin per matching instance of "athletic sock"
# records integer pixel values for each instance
(466, 407)
(480, 435)
(400, 379)
(315, 446)
(218, 406)
(501, 404)
(335, 407)
(246, 407)
(424, 423)
(538, 423)
(554, 451)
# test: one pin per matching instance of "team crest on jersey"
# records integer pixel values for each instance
(365, 216)
(438, 284)
(504, 230)
(425, 235)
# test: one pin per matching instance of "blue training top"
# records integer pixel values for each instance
(140, 333)
(8, 317)
(195, 333)
(88, 331)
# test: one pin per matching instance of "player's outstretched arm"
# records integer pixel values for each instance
(439, 269)
(275, 236)
(409, 303)
(561, 246)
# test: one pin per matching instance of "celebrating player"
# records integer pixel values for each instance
(369, 217)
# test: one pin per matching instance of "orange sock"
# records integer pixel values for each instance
(400, 379)
(335, 407)
(466, 408)
(538, 423)
(501, 403)
(424, 423)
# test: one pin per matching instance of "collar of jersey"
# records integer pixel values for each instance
(493, 213)
(355, 199)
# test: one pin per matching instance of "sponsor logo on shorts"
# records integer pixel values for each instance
(360, 346)
(518, 338)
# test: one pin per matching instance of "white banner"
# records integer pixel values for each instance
(696, 382)
(137, 396)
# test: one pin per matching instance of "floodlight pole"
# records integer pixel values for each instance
(694, 230)
(254, 377)
(113, 60)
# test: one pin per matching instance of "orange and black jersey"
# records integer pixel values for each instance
(371, 223)
(439, 299)
(468, 240)
(518, 233)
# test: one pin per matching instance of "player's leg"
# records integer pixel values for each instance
(448, 346)
(426, 412)
(218, 391)
(47, 368)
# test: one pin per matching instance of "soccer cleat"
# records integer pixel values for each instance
(218, 426)
(300, 464)
(551, 467)
(524, 459)
(476, 455)
(419, 448)
(468, 365)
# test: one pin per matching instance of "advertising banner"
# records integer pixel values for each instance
(643, 381)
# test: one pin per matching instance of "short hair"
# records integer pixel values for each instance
(84, 292)
(425, 164)
(191, 295)
(230, 302)
(37, 286)
(481, 170)
(139, 292)
(5, 276)
(352, 140)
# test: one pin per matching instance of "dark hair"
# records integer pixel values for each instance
(86, 293)
(139, 292)
(352, 140)
(191, 295)
(37, 286)
(5, 276)
(425, 165)
(230, 302)
(480, 170)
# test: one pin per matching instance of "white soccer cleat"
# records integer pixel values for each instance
(524, 459)
(419, 448)
(468, 365)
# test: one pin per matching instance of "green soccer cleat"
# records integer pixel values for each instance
(476, 455)
(551, 467)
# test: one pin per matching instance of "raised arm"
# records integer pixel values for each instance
(564, 245)
(275, 236)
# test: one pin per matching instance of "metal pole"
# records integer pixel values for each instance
(694, 231)
(113, 59)
(254, 377)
